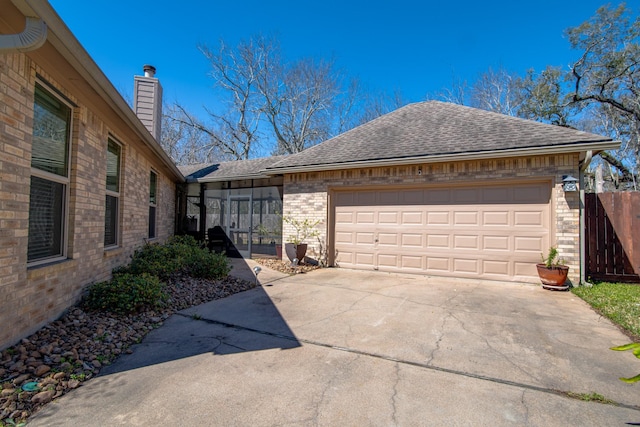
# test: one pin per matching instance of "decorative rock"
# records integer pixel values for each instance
(41, 370)
(59, 375)
(22, 378)
(43, 397)
(73, 384)
(7, 391)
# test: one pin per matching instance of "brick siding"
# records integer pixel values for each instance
(306, 194)
(31, 297)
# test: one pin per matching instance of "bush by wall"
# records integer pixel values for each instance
(139, 285)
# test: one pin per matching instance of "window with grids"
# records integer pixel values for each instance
(153, 203)
(48, 198)
(112, 202)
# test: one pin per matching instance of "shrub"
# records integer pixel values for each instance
(208, 265)
(127, 293)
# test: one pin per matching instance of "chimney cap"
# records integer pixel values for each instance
(149, 70)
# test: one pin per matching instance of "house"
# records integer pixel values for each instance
(83, 182)
(440, 189)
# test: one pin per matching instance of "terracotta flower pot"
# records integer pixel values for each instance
(553, 277)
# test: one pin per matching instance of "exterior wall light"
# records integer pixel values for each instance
(569, 183)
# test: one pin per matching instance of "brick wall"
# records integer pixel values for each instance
(306, 194)
(32, 296)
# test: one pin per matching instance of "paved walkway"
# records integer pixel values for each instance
(339, 347)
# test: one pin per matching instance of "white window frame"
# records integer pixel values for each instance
(49, 176)
(115, 194)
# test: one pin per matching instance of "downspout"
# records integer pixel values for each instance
(31, 38)
(584, 164)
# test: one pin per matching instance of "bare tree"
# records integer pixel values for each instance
(299, 103)
(496, 90)
(493, 90)
(184, 139)
(268, 103)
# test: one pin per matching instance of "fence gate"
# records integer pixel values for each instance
(612, 227)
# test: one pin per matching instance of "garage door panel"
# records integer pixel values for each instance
(365, 217)
(345, 237)
(438, 241)
(414, 262)
(412, 240)
(495, 243)
(365, 238)
(388, 218)
(493, 231)
(465, 218)
(537, 244)
(465, 265)
(529, 218)
(495, 267)
(438, 264)
(438, 218)
(498, 218)
(411, 218)
(461, 241)
(387, 260)
(344, 217)
(364, 259)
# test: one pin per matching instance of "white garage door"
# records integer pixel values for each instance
(489, 231)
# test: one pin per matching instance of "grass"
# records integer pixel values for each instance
(619, 302)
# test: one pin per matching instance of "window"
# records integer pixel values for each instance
(153, 184)
(49, 177)
(112, 202)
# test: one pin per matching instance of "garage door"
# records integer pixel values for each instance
(490, 231)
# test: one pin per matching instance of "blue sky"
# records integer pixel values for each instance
(415, 47)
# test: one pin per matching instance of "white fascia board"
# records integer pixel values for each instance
(520, 152)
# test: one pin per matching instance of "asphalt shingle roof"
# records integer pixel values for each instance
(223, 171)
(435, 128)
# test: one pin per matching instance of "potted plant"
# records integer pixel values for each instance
(553, 274)
(295, 247)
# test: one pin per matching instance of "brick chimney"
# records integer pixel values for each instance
(147, 100)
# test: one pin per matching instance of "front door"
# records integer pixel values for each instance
(238, 223)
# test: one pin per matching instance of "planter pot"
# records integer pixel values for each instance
(553, 277)
(296, 251)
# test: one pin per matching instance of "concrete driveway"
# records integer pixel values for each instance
(340, 347)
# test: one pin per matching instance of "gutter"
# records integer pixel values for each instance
(596, 146)
(70, 48)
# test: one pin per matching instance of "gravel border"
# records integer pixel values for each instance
(63, 354)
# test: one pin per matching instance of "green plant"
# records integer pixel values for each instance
(635, 349)
(78, 377)
(126, 293)
(10, 422)
(551, 260)
(304, 229)
(590, 397)
(207, 265)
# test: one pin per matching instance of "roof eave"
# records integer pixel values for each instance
(68, 46)
(596, 147)
(206, 179)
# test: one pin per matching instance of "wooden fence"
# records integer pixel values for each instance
(612, 227)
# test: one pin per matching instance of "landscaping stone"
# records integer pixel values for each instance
(73, 348)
